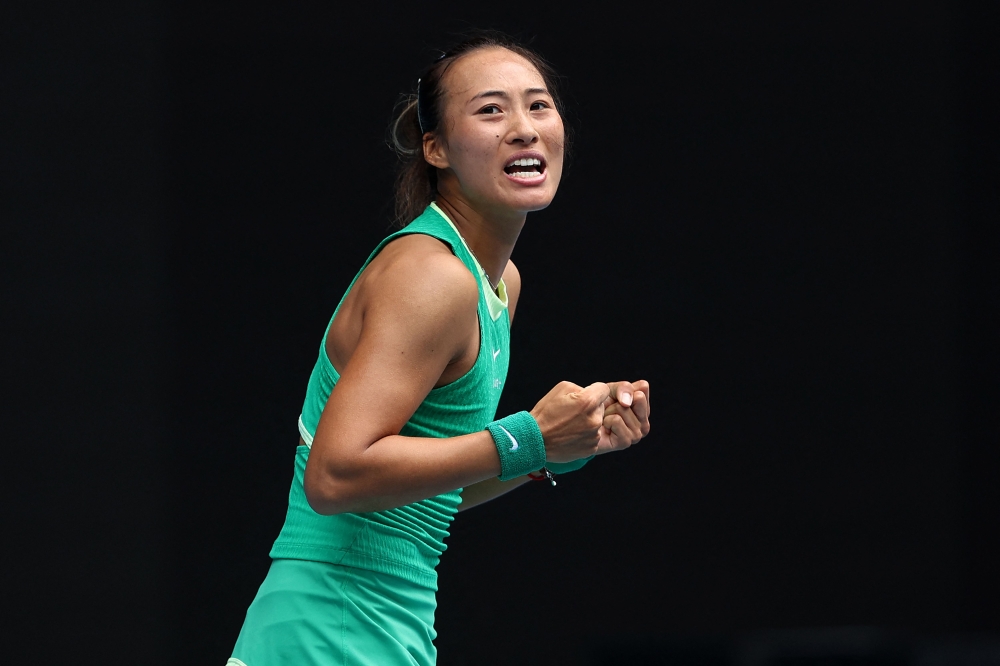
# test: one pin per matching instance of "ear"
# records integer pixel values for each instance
(435, 152)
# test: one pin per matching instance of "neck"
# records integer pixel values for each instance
(491, 238)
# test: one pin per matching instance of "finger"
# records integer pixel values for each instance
(622, 392)
(595, 394)
(631, 420)
(640, 405)
(641, 410)
(641, 385)
(621, 436)
(604, 444)
(564, 387)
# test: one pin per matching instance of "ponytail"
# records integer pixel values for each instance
(416, 180)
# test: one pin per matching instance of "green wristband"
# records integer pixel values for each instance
(562, 468)
(519, 443)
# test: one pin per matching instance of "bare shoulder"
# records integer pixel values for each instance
(418, 276)
(512, 279)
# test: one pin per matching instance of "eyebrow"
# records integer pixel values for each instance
(501, 93)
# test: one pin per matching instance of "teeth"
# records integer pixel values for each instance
(526, 161)
(526, 174)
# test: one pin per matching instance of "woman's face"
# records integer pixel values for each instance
(501, 141)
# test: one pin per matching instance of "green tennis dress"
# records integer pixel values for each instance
(359, 588)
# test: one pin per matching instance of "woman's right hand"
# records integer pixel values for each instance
(570, 418)
(580, 422)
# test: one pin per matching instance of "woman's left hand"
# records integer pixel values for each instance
(626, 416)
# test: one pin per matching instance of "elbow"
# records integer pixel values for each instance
(327, 495)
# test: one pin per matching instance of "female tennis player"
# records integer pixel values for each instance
(397, 429)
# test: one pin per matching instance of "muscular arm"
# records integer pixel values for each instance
(417, 315)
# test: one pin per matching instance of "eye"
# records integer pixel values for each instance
(538, 106)
(490, 110)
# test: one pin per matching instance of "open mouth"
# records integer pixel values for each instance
(525, 167)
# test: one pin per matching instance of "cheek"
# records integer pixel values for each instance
(476, 154)
(477, 162)
(555, 138)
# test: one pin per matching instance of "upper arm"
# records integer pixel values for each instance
(418, 310)
(512, 279)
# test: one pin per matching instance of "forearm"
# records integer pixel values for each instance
(484, 491)
(343, 474)
(396, 470)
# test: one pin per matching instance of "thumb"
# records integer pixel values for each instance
(596, 393)
(622, 392)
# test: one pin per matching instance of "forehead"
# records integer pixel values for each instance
(490, 69)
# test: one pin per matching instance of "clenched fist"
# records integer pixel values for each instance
(579, 422)
(626, 415)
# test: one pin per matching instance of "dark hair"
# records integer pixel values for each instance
(416, 180)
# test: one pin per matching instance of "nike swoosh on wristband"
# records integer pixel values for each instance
(495, 354)
(515, 447)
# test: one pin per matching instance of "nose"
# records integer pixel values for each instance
(522, 129)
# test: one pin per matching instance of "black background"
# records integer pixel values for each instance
(782, 216)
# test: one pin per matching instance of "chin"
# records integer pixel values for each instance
(540, 206)
(527, 202)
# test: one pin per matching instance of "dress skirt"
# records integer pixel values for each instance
(318, 614)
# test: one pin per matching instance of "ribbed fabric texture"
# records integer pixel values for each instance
(408, 541)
